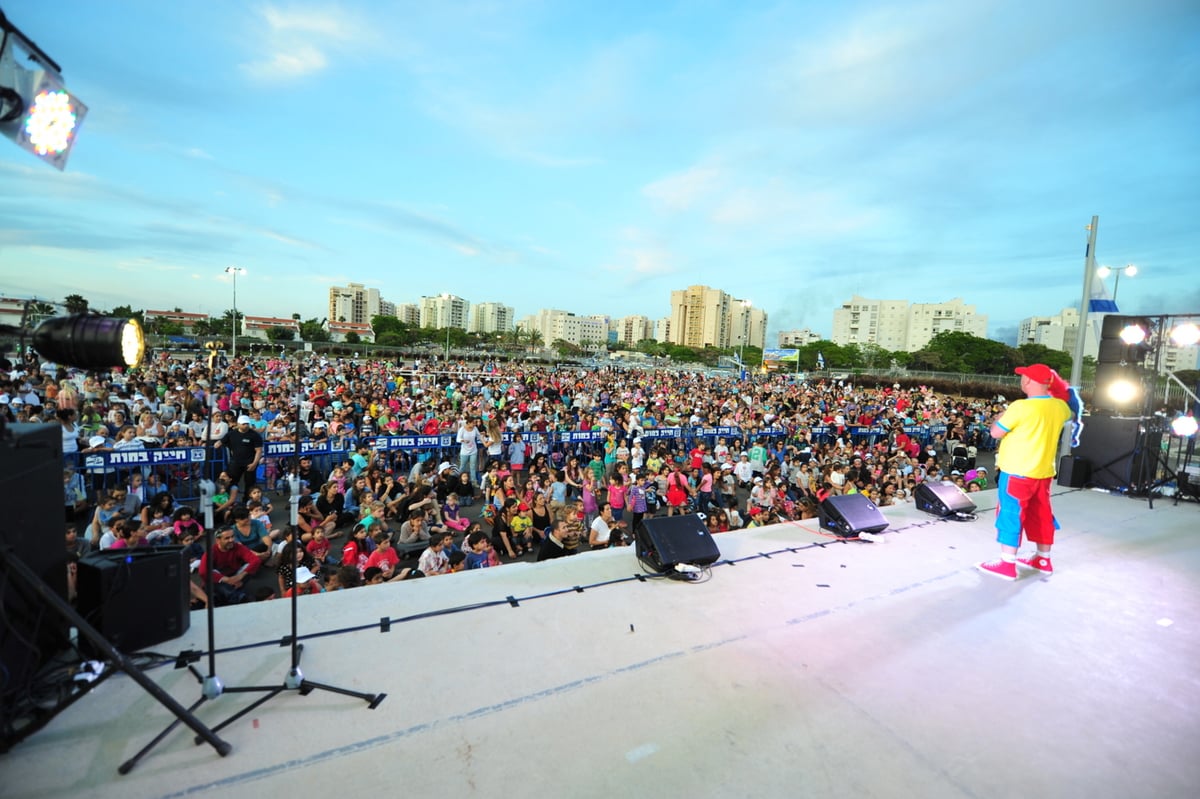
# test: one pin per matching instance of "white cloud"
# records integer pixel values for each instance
(297, 42)
(682, 190)
(298, 61)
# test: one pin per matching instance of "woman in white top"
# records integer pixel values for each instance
(70, 433)
(151, 430)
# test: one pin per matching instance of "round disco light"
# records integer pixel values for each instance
(1186, 334)
(1184, 426)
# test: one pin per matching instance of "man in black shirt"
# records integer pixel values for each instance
(245, 448)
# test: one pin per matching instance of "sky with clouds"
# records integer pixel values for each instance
(595, 156)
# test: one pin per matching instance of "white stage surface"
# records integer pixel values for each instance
(853, 669)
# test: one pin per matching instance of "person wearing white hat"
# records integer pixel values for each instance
(245, 448)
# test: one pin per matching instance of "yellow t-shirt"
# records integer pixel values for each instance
(1033, 427)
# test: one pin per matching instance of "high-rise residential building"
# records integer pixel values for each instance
(552, 325)
(926, 320)
(1059, 332)
(797, 338)
(632, 329)
(444, 310)
(1178, 359)
(700, 317)
(897, 325)
(662, 329)
(864, 321)
(706, 317)
(387, 308)
(354, 303)
(491, 317)
(409, 313)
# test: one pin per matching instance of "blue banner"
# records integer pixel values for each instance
(144, 457)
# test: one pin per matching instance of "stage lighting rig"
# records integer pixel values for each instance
(36, 110)
(86, 341)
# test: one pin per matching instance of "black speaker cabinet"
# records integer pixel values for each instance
(31, 528)
(942, 499)
(135, 597)
(664, 541)
(1116, 458)
(1073, 472)
(848, 515)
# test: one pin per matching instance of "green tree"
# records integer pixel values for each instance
(313, 330)
(951, 351)
(565, 348)
(76, 303)
(167, 327)
(126, 312)
(353, 338)
(1039, 353)
(278, 333)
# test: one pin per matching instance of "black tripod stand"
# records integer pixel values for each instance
(23, 575)
(294, 680)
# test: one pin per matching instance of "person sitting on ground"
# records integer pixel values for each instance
(563, 540)
(434, 559)
(386, 559)
(232, 564)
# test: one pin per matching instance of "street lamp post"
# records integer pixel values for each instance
(1105, 271)
(235, 271)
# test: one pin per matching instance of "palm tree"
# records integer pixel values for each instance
(76, 303)
(535, 339)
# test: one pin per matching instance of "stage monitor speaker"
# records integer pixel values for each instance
(848, 515)
(1115, 457)
(31, 527)
(135, 597)
(665, 541)
(1072, 471)
(942, 499)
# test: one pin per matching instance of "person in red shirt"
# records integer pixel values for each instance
(231, 563)
(355, 553)
(385, 556)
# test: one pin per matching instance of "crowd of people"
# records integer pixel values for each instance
(516, 481)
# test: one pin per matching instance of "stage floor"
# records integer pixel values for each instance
(850, 669)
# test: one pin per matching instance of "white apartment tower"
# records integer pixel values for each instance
(409, 313)
(555, 324)
(632, 329)
(444, 310)
(797, 338)
(897, 325)
(491, 317)
(354, 303)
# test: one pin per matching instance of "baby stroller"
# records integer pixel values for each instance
(961, 459)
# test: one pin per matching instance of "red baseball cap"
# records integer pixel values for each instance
(1037, 372)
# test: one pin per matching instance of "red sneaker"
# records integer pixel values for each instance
(1004, 569)
(1038, 563)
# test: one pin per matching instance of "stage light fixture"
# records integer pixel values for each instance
(1184, 426)
(90, 342)
(1123, 391)
(36, 110)
(1133, 334)
(1186, 334)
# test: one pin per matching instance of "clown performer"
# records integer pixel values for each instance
(1029, 432)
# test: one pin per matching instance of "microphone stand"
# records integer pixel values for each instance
(212, 686)
(294, 680)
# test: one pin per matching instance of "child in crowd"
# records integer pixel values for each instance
(184, 523)
(434, 560)
(451, 517)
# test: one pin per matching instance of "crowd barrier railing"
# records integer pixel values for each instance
(182, 468)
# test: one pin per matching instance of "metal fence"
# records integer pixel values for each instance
(181, 469)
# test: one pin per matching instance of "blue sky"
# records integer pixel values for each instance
(595, 156)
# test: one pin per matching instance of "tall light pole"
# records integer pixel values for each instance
(235, 271)
(1105, 271)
